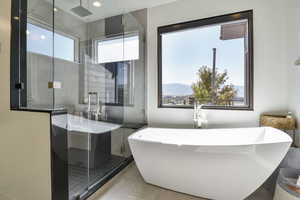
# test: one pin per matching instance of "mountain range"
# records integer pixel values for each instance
(179, 89)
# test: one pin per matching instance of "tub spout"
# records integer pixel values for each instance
(200, 119)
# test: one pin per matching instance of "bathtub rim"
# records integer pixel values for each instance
(285, 138)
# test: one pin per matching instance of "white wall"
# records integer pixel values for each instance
(270, 74)
(293, 54)
(24, 137)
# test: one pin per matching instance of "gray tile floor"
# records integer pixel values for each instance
(129, 185)
(78, 176)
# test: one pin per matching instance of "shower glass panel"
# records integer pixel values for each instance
(39, 55)
(102, 77)
(72, 58)
(90, 73)
(134, 75)
(87, 69)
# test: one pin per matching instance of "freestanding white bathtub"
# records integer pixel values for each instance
(220, 164)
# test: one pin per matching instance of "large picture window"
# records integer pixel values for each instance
(115, 61)
(209, 61)
(118, 49)
(40, 41)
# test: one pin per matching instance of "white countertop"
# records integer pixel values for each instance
(83, 125)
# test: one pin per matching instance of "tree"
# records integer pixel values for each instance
(204, 93)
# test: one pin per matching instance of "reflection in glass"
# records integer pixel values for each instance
(39, 58)
(39, 41)
(118, 49)
(98, 64)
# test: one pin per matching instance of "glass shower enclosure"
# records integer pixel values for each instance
(89, 70)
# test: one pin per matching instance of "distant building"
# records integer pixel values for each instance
(191, 100)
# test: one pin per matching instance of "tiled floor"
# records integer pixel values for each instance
(129, 185)
(78, 179)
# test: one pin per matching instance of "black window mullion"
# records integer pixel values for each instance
(245, 15)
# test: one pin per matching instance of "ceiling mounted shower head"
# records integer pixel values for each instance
(81, 11)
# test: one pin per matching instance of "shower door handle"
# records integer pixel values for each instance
(54, 85)
(20, 86)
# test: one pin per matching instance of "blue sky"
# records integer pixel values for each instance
(184, 52)
(40, 40)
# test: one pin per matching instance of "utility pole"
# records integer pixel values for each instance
(213, 81)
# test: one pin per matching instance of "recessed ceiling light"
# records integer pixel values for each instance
(43, 37)
(97, 4)
(55, 9)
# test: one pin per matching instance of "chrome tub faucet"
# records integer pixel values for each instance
(96, 113)
(200, 118)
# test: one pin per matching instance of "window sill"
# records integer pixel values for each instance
(245, 108)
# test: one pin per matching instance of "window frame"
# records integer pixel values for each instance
(244, 15)
(98, 40)
(131, 64)
(130, 87)
(47, 27)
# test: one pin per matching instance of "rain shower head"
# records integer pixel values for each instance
(81, 11)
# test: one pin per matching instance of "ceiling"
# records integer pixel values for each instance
(108, 7)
